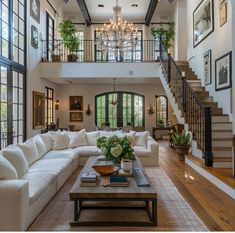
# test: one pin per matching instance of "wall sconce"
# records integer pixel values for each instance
(150, 110)
(57, 104)
(88, 111)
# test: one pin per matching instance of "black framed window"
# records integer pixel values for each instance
(80, 50)
(161, 110)
(50, 29)
(133, 55)
(49, 106)
(128, 110)
(12, 71)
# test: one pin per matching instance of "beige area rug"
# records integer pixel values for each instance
(174, 213)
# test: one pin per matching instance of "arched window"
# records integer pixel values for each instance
(161, 110)
(129, 109)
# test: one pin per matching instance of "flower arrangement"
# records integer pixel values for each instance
(115, 148)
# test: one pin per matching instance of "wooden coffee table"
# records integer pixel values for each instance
(81, 196)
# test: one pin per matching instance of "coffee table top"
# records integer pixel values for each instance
(132, 191)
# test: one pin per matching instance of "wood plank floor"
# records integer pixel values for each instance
(215, 208)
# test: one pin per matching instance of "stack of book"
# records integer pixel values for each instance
(88, 179)
(118, 181)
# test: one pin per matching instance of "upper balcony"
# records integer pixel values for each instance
(88, 61)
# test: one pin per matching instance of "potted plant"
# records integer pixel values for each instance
(166, 34)
(182, 143)
(67, 32)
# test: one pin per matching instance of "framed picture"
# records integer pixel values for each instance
(223, 12)
(223, 72)
(38, 110)
(34, 37)
(76, 117)
(203, 21)
(76, 103)
(207, 67)
(35, 10)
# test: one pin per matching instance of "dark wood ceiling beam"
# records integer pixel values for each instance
(85, 12)
(150, 12)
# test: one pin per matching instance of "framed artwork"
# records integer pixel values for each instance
(223, 72)
(34, 37)
(207, 67)
(38, 110)
(203, 21)
(223, 12)
(76, 103)
(35, 10)
(76, 117)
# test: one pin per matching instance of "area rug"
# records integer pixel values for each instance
(174, 213)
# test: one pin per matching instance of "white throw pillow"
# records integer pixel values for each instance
(7, 171)
(16, 157)
(92, 137)
(30, 151)
(40, 145)
(60, 141)
(47, 139)
(77, 139)
(141, 138)
(112, 133)
(131, 136)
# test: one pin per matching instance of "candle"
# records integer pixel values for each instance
(183, 73)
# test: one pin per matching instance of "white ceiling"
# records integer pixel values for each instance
(106, 81)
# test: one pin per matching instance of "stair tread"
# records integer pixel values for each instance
(225, 148)
(222, 159)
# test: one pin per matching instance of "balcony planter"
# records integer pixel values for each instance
(71, 58)
(55, 58)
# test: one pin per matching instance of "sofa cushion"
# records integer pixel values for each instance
(55, 166)
(141, 138)
(118, 133)
(7, 171)
(40, 145)
(61, 154)
(47, 139)
(30, 151)
(88, 150)
(77, 139)
(141, 151)
(38, 183)
(60, 140)
(16, 157)
(92, 137)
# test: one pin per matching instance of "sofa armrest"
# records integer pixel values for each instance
(153, 146)
(14, 199)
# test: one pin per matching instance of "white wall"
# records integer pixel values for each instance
(220, 42)
(90, 91)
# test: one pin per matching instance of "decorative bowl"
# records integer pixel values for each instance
(105, 170)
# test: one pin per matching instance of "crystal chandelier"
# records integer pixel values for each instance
(118, 36)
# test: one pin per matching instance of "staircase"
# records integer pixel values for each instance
(211, 128)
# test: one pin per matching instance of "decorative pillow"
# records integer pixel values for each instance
(110, 134)
(16, 157)
(60, 141)
(40, 145)
(131, 136)
(7, 171)
(91, 138)
(141, 138)
(77, 139)
(47, 139)
(30, 151)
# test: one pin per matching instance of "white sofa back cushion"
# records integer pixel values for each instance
(47, 139)
(141, 138)
(7, 171)
(16, 157)
(60, 140)
(77, 139)
(40, 145)
(118, 133)
(30, 151)
(92, 137)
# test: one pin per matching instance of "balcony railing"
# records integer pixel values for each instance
(88, 51)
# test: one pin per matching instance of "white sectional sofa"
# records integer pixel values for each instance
(32, 172)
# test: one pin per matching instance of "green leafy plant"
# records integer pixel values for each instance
(162, 122)
(167, 35)
(67, 32)
(182, 139)
(115, 148)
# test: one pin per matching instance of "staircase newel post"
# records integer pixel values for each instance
(169, 68)
(208, 154)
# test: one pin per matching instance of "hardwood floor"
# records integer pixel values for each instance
(215, 208)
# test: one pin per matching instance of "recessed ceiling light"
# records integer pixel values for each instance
(101, 5)
(134, 5)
